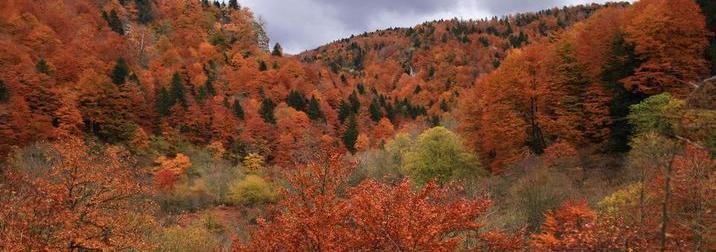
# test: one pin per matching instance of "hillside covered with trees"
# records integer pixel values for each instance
(176, 125)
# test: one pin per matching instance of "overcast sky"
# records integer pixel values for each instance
(300, 25)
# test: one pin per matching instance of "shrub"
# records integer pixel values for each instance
(251, 190)
(439, 154)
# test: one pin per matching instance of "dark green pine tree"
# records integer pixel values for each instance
(162, 102)
(444, 106)
(238, 110)
(344, 111)
(205, 3)
(375, 112)
(262, 66)
(114, 22)
(42, 67)
(350, 136)
(266, 110)
(234, 4)
(296, 100)
(120, 72)
(145, 13)
(314, 110)
(176, 92)
(354, 102)
(202, 94)
(4, 92)
(277, 50)
(389, 111)
(361, 88)
(623, 63)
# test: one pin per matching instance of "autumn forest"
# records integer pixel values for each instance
(178, 125)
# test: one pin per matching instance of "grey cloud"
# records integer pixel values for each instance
(305, 24)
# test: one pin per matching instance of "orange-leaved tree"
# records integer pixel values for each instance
(81, 201)
(320, 211)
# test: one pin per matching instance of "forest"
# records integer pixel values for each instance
(176, 125)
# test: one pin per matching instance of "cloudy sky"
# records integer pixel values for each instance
(300, 25)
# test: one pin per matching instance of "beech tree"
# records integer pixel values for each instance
(390, 217)
(84, 201)
(670, 64)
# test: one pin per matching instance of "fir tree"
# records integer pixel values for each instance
(354, 102)
(4, 92)
(162, 102)
(277, 50)
(296, 100)
(238, 110)
(120, 72)
(145, 13)
(350, 136)
(314, 109)
(344, 111)
(176, 93)
(266, 111)
(375, 113)
(234, 4)
(262, 66)
(42, 67)
(444, 106)
(114, 22)
(361, 88)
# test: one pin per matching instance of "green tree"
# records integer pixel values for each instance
(114, 22)
(314, 109)
(440, 155)
(4, 92)
(277, 50)
(350, 136)
(145, 12)
(162, 102)
(120, 72)
(622, 63)
(42, 67)
(234, 4)
(658, 113)
(250, 191)
(266, 110)
(375, 112)
(238, 110)
(296, 100)
(262, 66)
(176, 92)
(344, 111)
(354, 102)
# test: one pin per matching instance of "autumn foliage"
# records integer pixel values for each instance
(320, 212)
(84, 200)
(168, 125)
